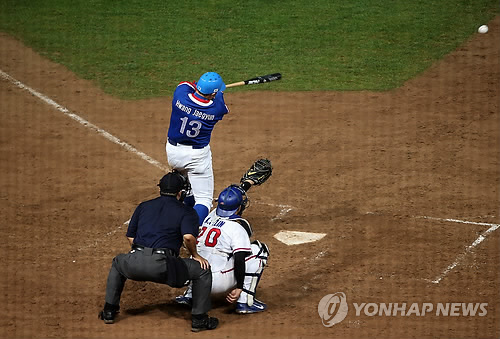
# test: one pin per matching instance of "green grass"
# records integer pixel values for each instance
(137, 49)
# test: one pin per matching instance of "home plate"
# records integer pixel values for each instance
(295, 237)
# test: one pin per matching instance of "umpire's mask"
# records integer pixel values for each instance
(172, 183)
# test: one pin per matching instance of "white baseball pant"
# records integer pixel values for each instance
(224, 281)
(197, 163)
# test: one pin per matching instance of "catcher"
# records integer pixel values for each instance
(237, 263)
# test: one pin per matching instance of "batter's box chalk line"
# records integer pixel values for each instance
(460, 258)
(284, 209)
(108, 234)
(468, 249)
(292, 237)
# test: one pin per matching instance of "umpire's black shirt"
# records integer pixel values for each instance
(162, 222)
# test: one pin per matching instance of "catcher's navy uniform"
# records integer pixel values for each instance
(192, 121)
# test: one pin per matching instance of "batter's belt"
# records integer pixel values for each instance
(173, 143)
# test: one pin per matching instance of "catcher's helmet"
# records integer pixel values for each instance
(209, 83)
(230, 200)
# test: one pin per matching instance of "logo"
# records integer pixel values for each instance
(333, 308)
(260, 307)
(421, 309)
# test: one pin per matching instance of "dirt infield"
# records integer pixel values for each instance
(369, 169)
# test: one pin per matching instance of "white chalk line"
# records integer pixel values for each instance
(84, 122)
(108, 234)
(284, 209)
(468, 249)
(457, 221)
(97, 241)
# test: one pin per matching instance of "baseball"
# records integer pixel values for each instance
(483, 29)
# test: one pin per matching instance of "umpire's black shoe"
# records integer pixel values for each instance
(203, 323)
(108, 314)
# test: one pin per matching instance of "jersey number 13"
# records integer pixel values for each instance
(194, 130)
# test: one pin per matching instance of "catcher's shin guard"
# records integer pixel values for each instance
(261, 252)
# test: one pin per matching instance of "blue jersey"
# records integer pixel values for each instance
(194, 117)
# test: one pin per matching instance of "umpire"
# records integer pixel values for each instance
(156, 232)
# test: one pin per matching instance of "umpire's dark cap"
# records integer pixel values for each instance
(171, 183)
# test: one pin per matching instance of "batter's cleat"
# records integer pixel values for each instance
(183, 300)
(258, 306)
(206, 323)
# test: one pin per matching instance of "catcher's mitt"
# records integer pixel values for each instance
(259, 172)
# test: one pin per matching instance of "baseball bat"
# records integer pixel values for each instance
(257, 80)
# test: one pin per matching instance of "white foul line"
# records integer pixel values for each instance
(468, 249)
(284, 208)
(84, 122)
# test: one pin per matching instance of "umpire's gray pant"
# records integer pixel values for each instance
(146, 266)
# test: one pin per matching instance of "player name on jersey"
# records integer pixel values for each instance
(215, 222)
(196, 113)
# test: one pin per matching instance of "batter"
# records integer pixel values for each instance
(196, 108)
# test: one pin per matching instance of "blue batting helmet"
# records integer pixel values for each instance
(230, 200)
(209, 83)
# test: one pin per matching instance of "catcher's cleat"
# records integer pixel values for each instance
(258, 306)
(183, 300)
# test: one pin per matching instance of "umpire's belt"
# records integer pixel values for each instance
(173, 143)
(164, 251)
